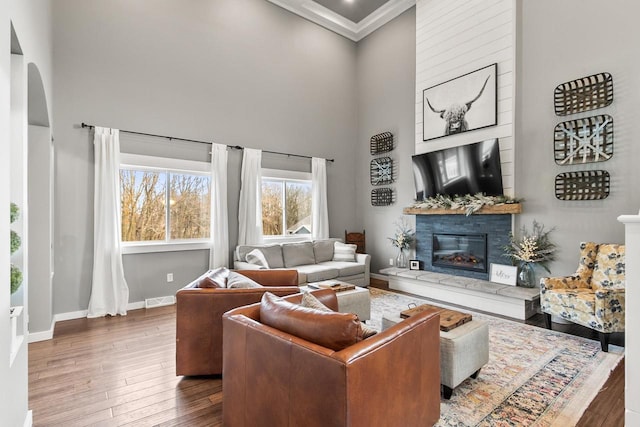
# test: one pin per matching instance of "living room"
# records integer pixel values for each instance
(250, 73)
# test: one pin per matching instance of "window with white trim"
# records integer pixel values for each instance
(164, 200)
(286, 203)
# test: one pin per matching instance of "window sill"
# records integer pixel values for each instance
(144, 248)
(286, 239)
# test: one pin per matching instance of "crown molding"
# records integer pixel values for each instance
(330, 20)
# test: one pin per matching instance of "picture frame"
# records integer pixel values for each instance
(503, 274)
(447, 106)
(414, 264)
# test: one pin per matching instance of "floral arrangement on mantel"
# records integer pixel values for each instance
(532, 248)
(470, 203)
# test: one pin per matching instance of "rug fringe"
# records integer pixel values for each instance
(578, 404)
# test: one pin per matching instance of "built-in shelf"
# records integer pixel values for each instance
(503, 209)
(16, 340)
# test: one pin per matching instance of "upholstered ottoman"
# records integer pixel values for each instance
(463, 352)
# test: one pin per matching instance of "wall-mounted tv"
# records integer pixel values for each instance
(467, 169)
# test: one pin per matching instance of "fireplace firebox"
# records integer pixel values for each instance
(460, 251)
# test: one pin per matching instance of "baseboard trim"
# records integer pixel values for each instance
(48, 334)
(28, 420)
(379, 276)
(42, 335)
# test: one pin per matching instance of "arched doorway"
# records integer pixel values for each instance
(40, 202)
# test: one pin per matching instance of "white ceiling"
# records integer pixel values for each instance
(354, 19)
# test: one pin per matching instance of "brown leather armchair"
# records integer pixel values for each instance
(199, 317)
(272, 378)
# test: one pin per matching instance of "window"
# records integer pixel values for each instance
(162, 205)
(286, 203)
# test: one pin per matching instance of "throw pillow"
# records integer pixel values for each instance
(238, 281)
(296, 254)
(344, 252)
(327, 329)
(257, 257)
(309, 300)
(323, 250)
(208, 282)
(216, 278)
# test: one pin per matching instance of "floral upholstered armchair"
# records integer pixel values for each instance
(594, 295)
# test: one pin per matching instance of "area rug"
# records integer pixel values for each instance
(535, 377)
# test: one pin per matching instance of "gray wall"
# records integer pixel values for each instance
(386, 102)
(559, 42)
(241, 72)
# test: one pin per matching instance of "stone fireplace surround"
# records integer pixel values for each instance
(463, 287)
(496, 227)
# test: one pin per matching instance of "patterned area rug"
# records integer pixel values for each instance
(535, 377)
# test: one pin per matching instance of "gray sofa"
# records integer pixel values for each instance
(313, 261)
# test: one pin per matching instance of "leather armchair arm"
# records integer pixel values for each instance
(199, 324)
(429, 319)
(272, 277)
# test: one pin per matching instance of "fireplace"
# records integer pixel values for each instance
(489, 234)
(460, 251)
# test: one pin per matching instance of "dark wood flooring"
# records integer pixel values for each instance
(121, 371)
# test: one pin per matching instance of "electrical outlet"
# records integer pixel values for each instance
(169, 277)
(391, 261)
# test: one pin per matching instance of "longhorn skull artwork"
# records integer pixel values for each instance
(452, 100)
(454, 114)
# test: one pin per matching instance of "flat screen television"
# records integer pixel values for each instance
(467, 169)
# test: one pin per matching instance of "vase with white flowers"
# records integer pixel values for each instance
(403, 239)
(531, 249)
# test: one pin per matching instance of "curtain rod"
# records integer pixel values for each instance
(236, 147)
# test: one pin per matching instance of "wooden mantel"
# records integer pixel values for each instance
(503, 209)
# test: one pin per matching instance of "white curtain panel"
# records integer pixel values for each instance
(219, 253)
(109, 290)
(319, 206)
(250, 206)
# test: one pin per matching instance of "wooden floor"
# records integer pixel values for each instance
(121, 371)
(118, 371)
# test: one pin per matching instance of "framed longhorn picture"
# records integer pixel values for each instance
(462, 104)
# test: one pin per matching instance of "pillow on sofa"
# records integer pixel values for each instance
(257, 257)
(327, 329)
(323, 250)
(216, 278)
(309, 300)
(344, 252)
(296, 254)
(239, 281)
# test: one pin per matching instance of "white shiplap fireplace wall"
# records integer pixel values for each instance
(455, 37)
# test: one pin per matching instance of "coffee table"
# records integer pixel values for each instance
(464, 350)
(356, 301)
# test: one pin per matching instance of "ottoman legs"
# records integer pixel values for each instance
(447, 391)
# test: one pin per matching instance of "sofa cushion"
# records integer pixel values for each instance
(309, 300)
(216, 278)
(240, 281)
(345, 268)
(296, 254)
(344, 252)
(323, 250)
(272, 253)
(256, 257)
(327, 329)
(317, 272)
